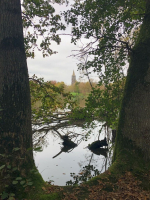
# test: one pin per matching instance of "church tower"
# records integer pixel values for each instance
(73, 80)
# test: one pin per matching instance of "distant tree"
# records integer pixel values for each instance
(85, 87)
(53, 82)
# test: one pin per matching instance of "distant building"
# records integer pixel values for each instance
(73, 80)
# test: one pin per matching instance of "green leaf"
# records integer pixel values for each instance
(9, 166)
(16, 149)
(30, 183)
(1, 167)
(18, 178)
(22, 182)
(38, 149)
(25, 185)
(14, 169)
(4, 196)
(29, 149)
(14, 182)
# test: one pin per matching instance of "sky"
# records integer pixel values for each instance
(57, 67)
(60, 66)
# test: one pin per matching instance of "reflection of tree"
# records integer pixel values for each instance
(67, 144)
(71, 134)
(52, 108)
(65, 129)
(89, 171)
(100, 151)
(41, 130)
(60, 121)
(98, 144)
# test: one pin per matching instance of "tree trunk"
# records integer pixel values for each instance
(133, 134)
(15, 107)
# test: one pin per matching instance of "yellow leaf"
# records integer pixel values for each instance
(43, 188)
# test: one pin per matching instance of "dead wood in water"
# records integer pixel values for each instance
(98, 144)
(67, 144)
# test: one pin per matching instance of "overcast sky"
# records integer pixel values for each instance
(59, 66)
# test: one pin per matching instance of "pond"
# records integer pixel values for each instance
(77, 165)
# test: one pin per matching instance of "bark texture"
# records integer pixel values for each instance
(15, 113)
(134, 123)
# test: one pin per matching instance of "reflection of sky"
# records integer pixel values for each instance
(59, 168)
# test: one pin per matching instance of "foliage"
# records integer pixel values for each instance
(51, 107)
(86, 174)
(80, 87)
(40, 25)
(105, 103)
(110, 33)
(102, 103)
(79, 113)
(18, 182)
(113, 31)
(80, 91)
(47, 99)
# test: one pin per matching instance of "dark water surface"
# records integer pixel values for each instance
(80, 161)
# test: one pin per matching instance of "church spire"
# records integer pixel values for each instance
(73, 80)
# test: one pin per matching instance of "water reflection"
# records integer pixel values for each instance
(68, 145)
(100, 151)
(86, 174)
(76, 164)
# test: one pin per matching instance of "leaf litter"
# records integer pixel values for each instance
(127, 187)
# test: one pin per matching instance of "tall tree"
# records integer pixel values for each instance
(134, 123)
(16, 157)
(119, 34)
(15, 114)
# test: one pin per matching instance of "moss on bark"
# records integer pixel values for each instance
(132, 150)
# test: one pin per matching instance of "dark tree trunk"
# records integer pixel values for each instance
(15, 113)
(133, 134)
(113, 135)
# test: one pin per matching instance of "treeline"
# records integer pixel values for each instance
(100, 100)
(80, 90)
(79, 87)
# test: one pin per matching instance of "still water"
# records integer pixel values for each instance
(80, 160)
